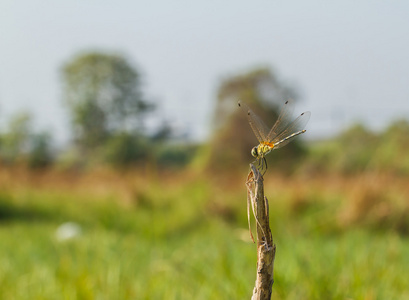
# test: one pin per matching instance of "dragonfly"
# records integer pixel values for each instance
(282, 132)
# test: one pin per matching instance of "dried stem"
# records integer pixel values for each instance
(265, 247)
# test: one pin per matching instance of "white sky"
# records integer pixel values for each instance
(349, 58)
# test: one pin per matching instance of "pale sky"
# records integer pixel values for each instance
(350, 59)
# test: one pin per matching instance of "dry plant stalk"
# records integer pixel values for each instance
(265, 247)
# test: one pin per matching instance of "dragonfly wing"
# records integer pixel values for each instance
(259, 128)
(283, 120)
(292, 130)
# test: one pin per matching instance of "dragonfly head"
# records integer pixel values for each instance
(254, 152)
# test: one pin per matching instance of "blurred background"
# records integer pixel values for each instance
(124, 155)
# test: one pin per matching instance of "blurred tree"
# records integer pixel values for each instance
(40, 154)
(360, 151)
(260, 88)
(393, 148)
(175, 155)
(125, 148)
(102, 93)
(163, 134)
(265, 93)
(20, 144)
(16, 139)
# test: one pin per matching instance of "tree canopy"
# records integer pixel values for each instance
(233, 139)
(103, 94)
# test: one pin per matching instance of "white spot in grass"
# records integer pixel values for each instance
(67, 231)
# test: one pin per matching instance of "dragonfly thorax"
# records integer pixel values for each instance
(261, 150)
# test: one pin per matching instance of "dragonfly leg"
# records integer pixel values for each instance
(265, 163)
(261, 165)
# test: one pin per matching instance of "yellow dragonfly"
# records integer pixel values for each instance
(279, 135)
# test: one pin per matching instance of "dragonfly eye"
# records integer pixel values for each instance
(254, 152)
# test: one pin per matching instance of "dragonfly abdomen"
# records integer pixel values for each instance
(290, 137)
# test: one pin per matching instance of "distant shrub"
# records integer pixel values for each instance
(358, 149)
(375, 204)
(232, 140)
(175, 155)
(357, 145)
(393, 148)
(125, 148)
(21, 145)
(40, 154)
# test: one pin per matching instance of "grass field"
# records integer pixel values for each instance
(185, 236)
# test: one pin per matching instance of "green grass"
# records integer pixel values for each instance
(171, 242)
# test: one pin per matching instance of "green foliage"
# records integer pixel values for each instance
(358, 149)
(20, 144)
(90, 121)
(261, 88)
(125, 148)
(393, 148)
(102, 93)
(40, 151)
(358, 143)
(175, 155)
(15, 142)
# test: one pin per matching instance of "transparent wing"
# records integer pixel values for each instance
(294, 129)
(259, 128)
(283, 120)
